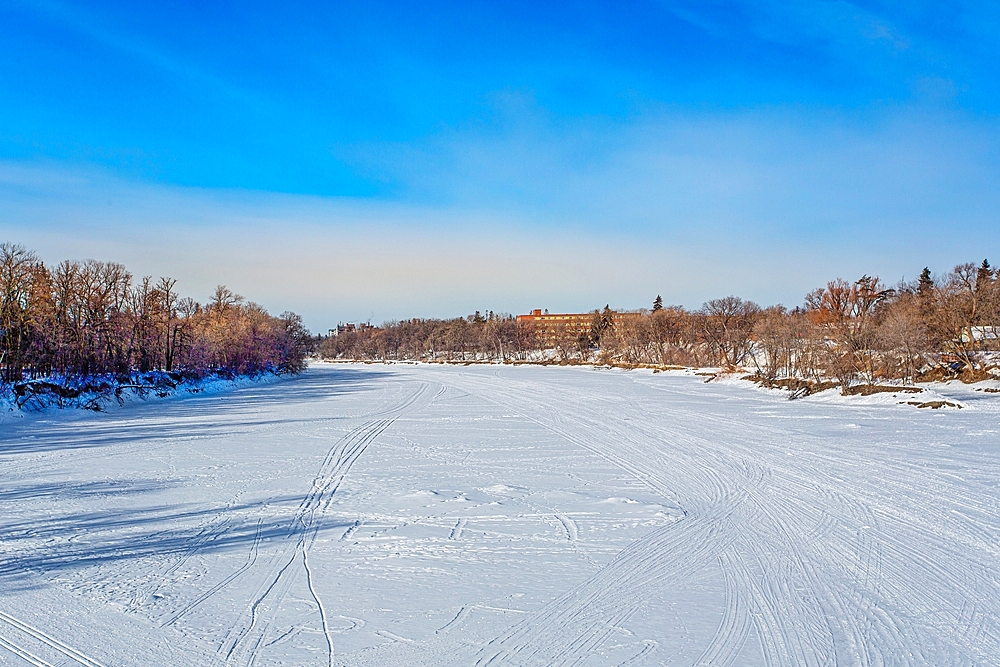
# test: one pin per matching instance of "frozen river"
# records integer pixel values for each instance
(482, 515)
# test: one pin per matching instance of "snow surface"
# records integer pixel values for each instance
(485, 515)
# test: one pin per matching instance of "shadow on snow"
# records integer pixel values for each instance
(195, 416)
(114, 536)
(48, 543)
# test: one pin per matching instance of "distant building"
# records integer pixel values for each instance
(342, 329)
(350, 328)
(572, 324)
(551, 326)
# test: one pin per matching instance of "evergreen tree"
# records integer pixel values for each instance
(657, 303)
(607, 321)
(607, 318)
(925, 283)
(984, 276)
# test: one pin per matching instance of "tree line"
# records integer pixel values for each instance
(848, 332)
(81, 319)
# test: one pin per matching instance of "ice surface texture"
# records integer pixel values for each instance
(484, 515)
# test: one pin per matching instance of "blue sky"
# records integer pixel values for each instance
(388, 160)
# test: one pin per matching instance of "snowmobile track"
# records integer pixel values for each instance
(47, 640)
(246, 638)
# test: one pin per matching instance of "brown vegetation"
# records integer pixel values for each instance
(862, 336)
(86, 319)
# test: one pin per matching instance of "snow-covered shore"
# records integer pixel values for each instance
(448, 515)
(102, 393)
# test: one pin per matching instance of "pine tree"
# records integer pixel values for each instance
(607, 318)
(925, 283)
(657, 303)
(984, 276)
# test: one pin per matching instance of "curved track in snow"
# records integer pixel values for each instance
(851, 564)
(429, 515)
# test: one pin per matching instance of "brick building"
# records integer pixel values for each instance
(551, 326)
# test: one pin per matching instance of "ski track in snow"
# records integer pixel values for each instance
(246, 637)
(823, 626)
(43, 639)
(456, 532)
(511, 516)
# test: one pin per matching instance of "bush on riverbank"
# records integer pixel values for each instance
(87, 328)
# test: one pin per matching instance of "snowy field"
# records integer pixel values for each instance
(483, 515)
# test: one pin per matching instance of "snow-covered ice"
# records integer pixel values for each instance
(488, 515)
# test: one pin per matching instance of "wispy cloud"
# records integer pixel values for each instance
(504, 157)
(782, 172)
(764, 205)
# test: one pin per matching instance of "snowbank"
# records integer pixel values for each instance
(100, 393)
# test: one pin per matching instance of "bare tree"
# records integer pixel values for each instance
(728, 324)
